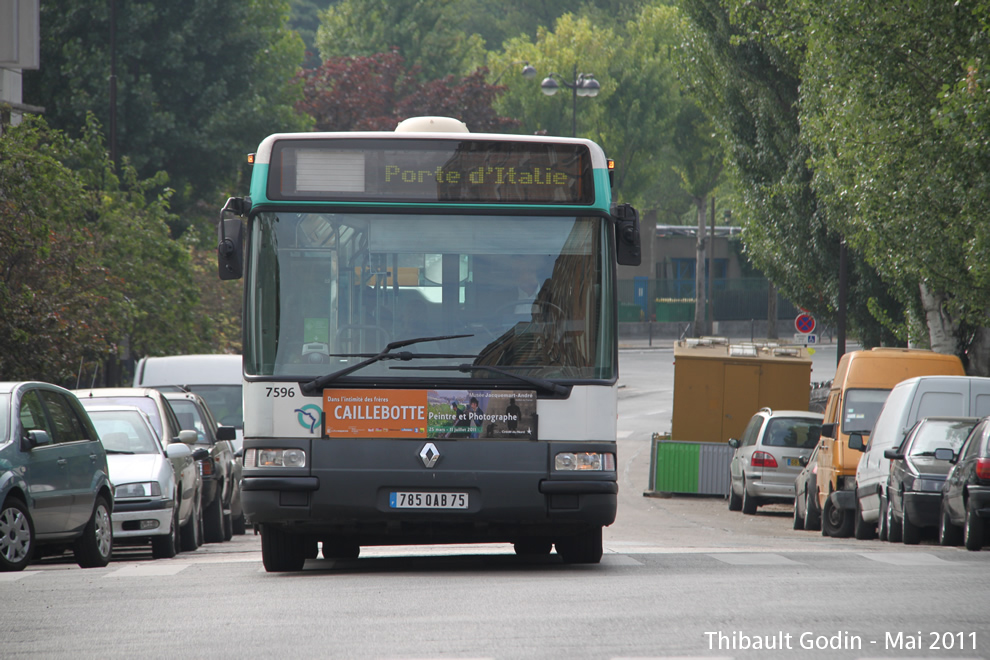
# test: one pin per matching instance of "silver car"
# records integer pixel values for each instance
(166, 424)
(146, 493)
(768, 457)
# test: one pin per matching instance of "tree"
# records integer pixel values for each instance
(634, 114)
(745, 61)
(87, 263)
(893, 173)
(428, 33)
(378, 91)
(199, 82)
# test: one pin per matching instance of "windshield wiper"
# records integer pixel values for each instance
(542, 383)
(317, 384)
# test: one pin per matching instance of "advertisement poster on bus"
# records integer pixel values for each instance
(477, 414)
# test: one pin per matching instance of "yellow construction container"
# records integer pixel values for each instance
(719, 386)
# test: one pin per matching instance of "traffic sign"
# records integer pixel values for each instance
(805, 323)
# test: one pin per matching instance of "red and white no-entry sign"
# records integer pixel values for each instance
(805, 323)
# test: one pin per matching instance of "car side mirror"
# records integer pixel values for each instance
(733, 443)
(226, 433)
(945, 454)
(36, 438)
(188, 437)
(803, 460)
(856, 442)
(200, 454)
(892, 454)
(178, 450)
(828, 430)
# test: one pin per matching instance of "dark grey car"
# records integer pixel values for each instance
(55, 490)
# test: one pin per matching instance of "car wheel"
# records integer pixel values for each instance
(16, 535)
(280, 551)
(213, 520)
(812, 519)
(910, 533)
(735, 502)
(748, 501)
(167, 546)
(973, 532)
(862, 530)
(583, 548)
(882, 520)
(948, 534)
(94, 547)
(836, 522)
(239, 524)
(798, 516)
(190, 532)
(893, 525)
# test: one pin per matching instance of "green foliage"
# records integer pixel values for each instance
(199, 82)
(87, 262)
(429, 34)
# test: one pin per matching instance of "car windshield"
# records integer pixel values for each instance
(939, 433)
(225, 401)
(521, 293)
(124, 432)
(860, 410)
(792, 432)
(146, 404)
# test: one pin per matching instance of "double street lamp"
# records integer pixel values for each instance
(584, 84)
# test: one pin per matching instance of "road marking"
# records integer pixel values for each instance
(151, 569)
(905, 558)
(754, 559)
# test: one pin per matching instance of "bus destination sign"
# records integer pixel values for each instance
(468, 171)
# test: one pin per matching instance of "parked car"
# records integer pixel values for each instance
(154, 404)
(862, 382)
(55, 489)
(222, 512)
(966, 492)
(215, 377)
(768, 457)
(806, 512)
(917, 472)
(145, 490)
(909, 401)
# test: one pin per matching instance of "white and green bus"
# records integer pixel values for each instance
(430, 348)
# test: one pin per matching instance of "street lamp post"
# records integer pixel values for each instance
(584, 85)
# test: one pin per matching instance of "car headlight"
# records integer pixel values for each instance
(583, 461)
(290, 458)
(143, 489)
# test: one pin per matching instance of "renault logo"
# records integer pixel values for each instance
(430, 454)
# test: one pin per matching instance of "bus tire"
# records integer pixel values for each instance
(582, 548)
(531, 546)
(339, 548)
(281, 552)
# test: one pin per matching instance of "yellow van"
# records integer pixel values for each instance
(860, 387)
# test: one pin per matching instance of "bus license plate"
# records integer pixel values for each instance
(405, 500)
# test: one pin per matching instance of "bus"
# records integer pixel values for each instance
(430, 340)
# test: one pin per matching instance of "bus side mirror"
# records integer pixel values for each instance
(627, 244)
(230, 250)
(856, 442)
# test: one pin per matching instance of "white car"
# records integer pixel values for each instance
(145, 490)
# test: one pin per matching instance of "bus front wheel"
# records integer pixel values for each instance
(281, 551)
(582, 548)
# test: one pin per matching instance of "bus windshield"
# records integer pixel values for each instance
(329, 290)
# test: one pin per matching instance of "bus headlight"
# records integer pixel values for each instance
(583, 461)
(290, 458)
